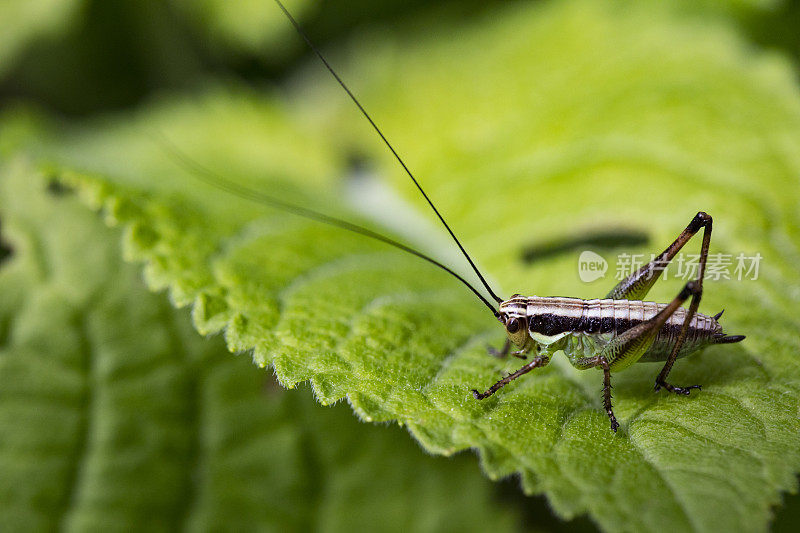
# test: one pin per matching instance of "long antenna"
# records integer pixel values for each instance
(214, 179)
(387, 143)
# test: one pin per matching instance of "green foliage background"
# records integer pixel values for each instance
(116, 415)
(529, 123)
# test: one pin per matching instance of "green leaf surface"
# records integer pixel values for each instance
(116, 416)
(539, 124)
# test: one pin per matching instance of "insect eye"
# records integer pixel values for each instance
(512, 326)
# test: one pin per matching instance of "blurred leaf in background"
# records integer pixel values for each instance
(79, 57)
(25, 22)
(528, 124)
(115, 415)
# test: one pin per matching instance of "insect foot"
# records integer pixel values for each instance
(478, 395)
(677, 390)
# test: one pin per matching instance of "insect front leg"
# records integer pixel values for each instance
(637, 285)
(506, 350)
(538, 361)
(502, 352)
(661, 380)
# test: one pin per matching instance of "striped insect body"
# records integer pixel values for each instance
(583, 328)
(619, 330)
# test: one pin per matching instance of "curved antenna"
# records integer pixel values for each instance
(387, 143)
(214, 179)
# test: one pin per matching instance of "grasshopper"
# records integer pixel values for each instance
(610, 333)
(614, 332)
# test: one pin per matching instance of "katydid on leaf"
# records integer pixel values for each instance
(610, 333)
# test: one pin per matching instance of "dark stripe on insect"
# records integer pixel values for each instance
(553, 323)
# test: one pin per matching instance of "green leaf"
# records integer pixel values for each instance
(253, 26)
(21, 21)
(116, 415)
(541, 124)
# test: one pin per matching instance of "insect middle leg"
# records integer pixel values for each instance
(628, 347)
(599, 360)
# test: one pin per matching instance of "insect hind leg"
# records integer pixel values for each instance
(697, 294)
(637, 285)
